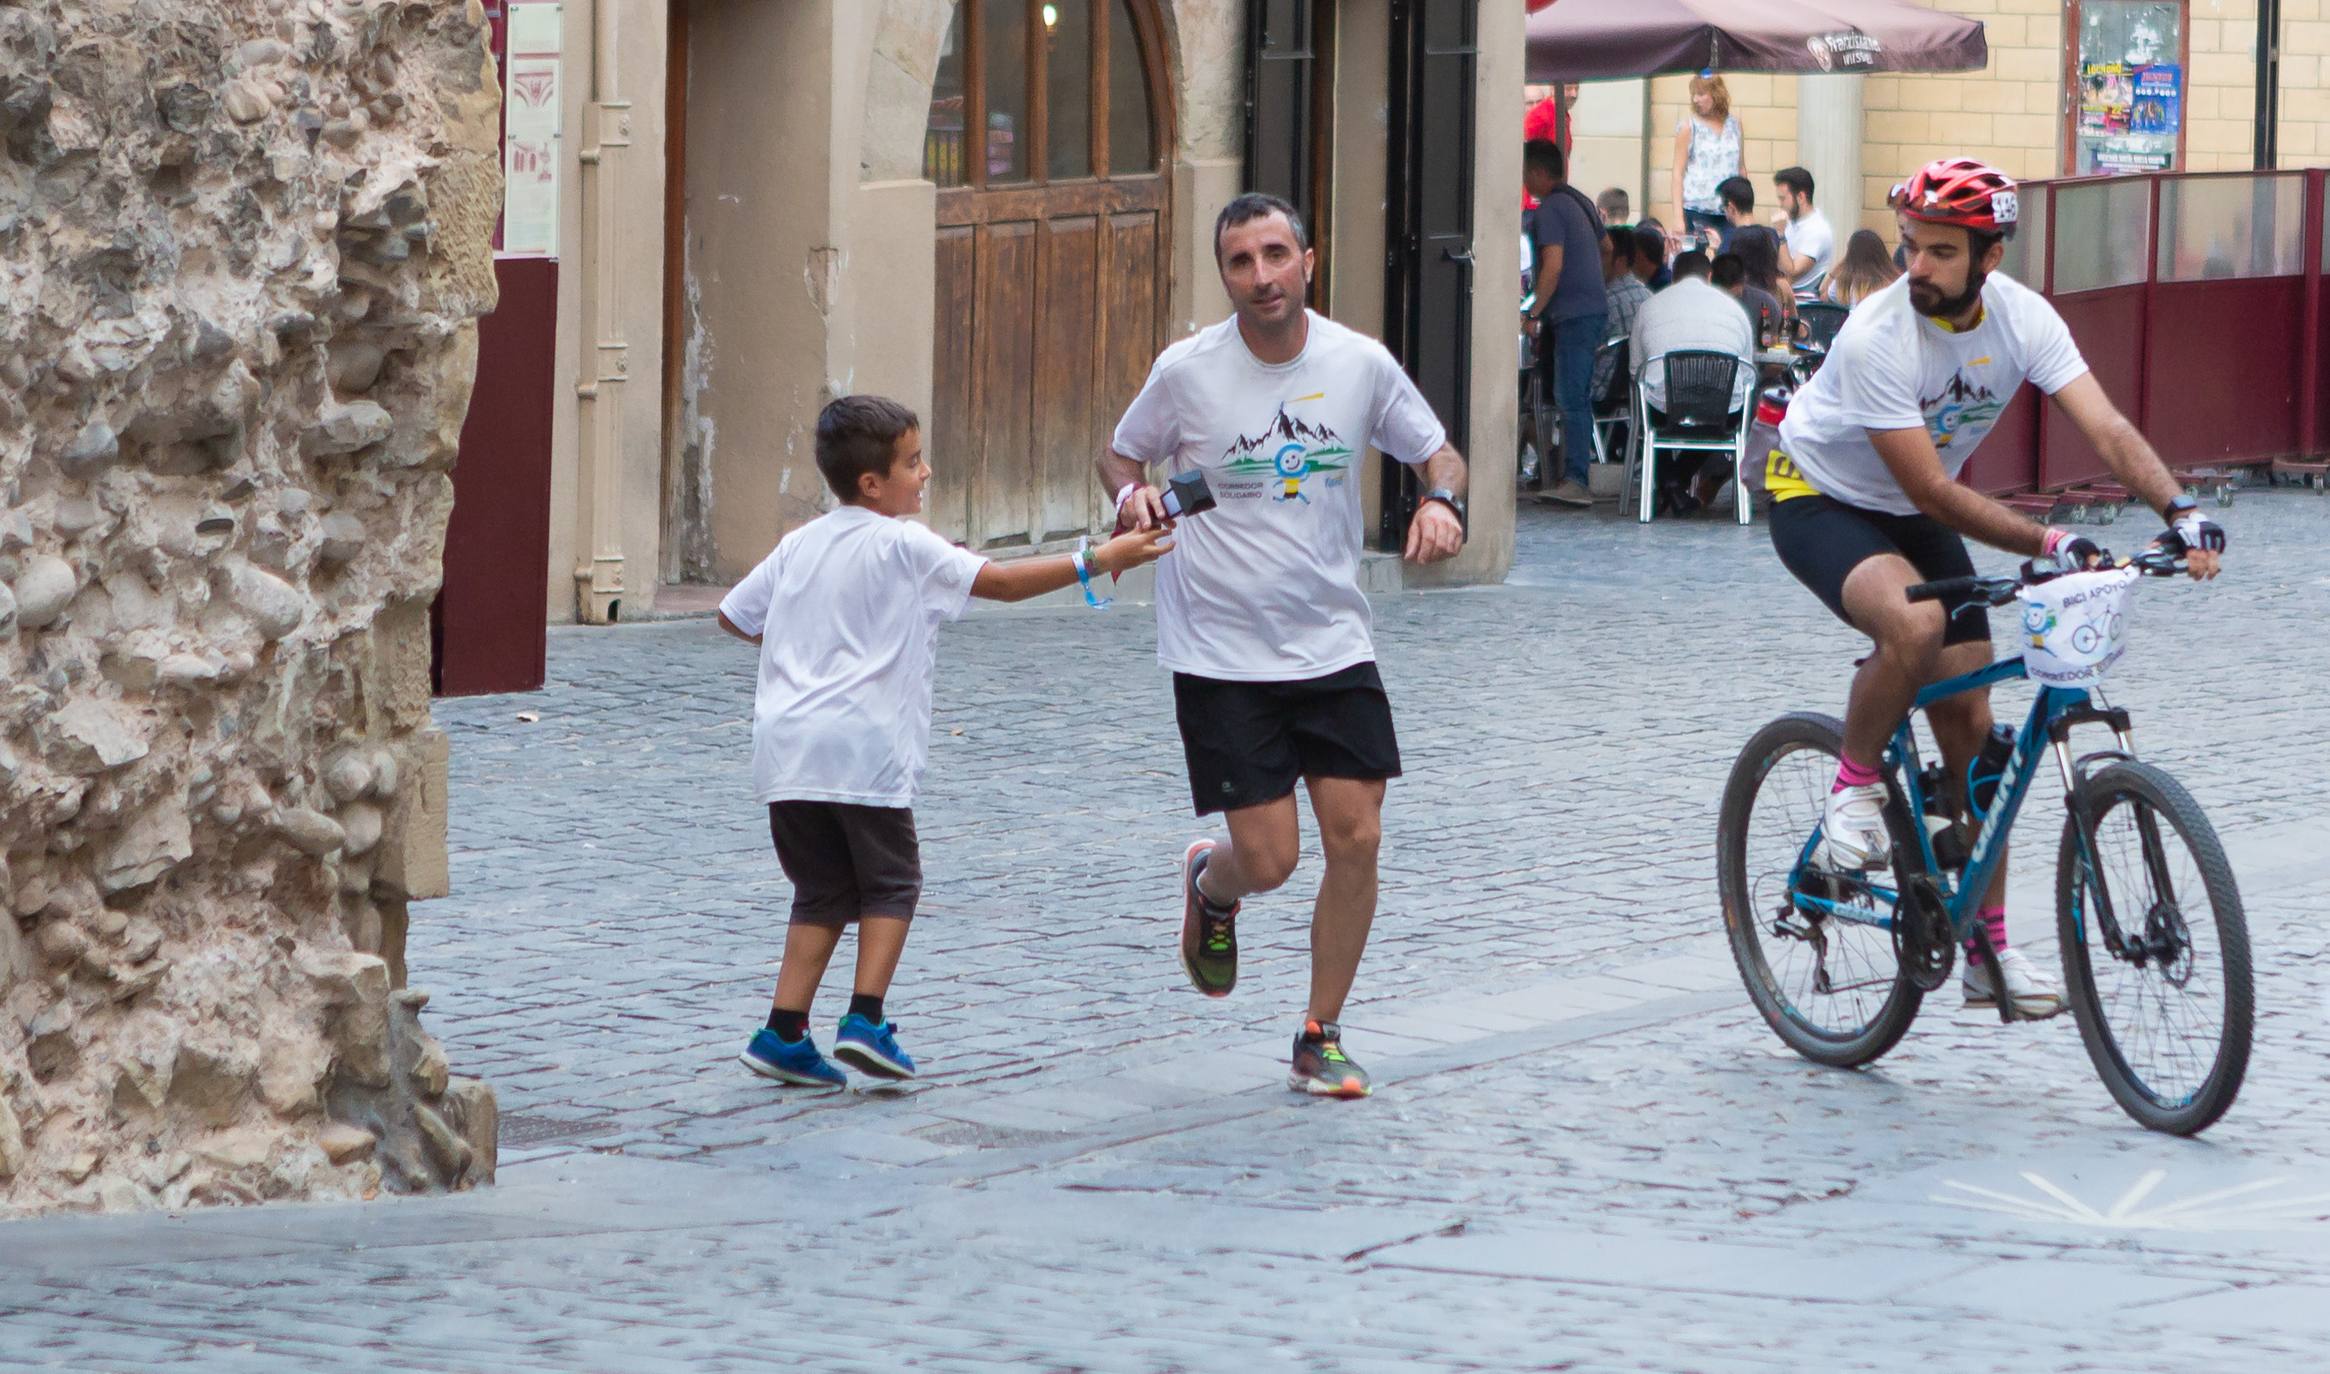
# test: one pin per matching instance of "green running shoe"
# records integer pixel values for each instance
(1320, 1066)
(1209, 937)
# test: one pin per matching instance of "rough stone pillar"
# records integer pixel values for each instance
(1828, 145)
(245, 244)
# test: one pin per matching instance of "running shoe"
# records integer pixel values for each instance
(1852, 830)
(1209, 935)
(2035, 996)
(1320, 1066)
(797, 1063)
(873, 1049)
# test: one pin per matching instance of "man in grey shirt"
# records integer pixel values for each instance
(1572, 309)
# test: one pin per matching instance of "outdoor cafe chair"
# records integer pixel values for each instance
(1698, 418)
(1613, 407)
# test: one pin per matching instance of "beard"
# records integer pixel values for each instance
(1930, 302)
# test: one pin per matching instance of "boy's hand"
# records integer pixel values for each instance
(1128, 551)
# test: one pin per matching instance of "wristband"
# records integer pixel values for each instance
(1081, 560)
(2052, 540)
(1125, 492)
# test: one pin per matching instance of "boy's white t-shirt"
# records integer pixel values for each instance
(1892, 368)
(1265, 586)
(848, 608)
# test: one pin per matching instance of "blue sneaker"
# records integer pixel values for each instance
(873, 1049)
(798, 1063)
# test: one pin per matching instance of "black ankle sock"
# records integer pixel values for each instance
(789, 1025)
(860, 1004)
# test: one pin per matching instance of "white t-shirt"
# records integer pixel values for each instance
(1810, 237)
(1265, 586)
(1692, 316)
(1892, 368)
(848, 608)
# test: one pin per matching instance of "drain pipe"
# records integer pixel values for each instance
(599, 577)
(2268, 142)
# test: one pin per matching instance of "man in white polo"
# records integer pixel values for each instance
(1259, 613)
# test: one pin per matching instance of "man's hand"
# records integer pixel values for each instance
(1780, 221)
(2201, 540)
(1434, 534)
(1142, 509)
(2072, 552)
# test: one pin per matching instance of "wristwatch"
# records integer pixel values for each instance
(2182, 505)
(1447, 498)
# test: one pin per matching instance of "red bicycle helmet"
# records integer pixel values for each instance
(1961, 191)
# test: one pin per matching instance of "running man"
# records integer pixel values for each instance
(1259, 612)
(1865, 501)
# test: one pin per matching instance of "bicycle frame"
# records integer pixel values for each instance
(2053, 712)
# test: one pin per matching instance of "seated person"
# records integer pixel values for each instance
(1613, 204)
(1730, 276)
(1691, 316)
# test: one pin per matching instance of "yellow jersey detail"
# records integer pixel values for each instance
(1783, 480)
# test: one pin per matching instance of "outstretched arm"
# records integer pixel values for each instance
(1026, 577)
(2129, 457)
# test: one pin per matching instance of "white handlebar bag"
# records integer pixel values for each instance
(2075, 626)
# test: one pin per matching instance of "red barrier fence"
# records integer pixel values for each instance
(2198, 300)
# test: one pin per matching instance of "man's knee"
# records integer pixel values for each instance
(1909, 637)
(1267, 866)
(1349, 839)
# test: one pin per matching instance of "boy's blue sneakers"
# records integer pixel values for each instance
(797, 1063)
(872, 1049)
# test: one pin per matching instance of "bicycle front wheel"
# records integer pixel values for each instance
(2155, 949)
(1829, 983)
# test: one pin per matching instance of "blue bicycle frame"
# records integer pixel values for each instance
(2053, 710)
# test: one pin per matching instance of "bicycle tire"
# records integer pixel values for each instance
(2145, 785)
(1881, 1031)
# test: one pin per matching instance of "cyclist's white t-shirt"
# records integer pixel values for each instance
(1892, 368)
(1265, 586)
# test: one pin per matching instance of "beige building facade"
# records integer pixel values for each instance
(762, 204)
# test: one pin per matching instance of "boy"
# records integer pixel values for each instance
(846, 612)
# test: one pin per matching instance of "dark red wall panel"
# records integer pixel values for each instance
(489, 621)
(2108, 325)
(2221, 378)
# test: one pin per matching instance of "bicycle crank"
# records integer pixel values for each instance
(1921, 934)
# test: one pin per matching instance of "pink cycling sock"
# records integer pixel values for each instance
(1993, 923)
(1851, 774)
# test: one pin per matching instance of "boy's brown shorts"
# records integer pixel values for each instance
(847, 861)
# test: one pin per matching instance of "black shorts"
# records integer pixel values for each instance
(847, 861)
(1821, 540)
(1249, 742)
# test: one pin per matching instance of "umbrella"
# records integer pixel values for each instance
(1588, 40)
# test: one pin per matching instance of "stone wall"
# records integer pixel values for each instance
(244, 243)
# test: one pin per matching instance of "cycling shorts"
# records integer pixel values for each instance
(1821, 540)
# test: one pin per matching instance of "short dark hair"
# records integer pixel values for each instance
(1796, 179)
(1650, 243)
(1254, 205)
(1728, 271)
(1621, 240)
(1691, 263)
(1737, 191)
(1544, 155)
(857, 435)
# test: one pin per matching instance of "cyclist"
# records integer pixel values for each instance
(1865, 501)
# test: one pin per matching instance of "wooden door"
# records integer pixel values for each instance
(1052, 256)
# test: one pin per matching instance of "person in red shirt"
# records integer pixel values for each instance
(1548, 119)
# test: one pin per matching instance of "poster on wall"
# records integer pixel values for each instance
(530, 140)
(2130, 87)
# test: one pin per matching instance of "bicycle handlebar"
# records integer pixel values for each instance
(2155, 561)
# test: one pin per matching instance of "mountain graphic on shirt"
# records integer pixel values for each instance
(1961, 407)
(1287, 448)
(1958, 391)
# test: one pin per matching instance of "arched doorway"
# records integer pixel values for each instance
(1050, 126)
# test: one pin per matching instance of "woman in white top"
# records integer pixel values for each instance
(1708, 147)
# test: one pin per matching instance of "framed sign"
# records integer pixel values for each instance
(531, 129)
(2127, 76)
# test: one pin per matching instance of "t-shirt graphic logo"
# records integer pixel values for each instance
(1962, 407)
(1289, 452)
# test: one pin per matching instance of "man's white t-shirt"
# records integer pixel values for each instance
(1811, 237)
(1265, 586)
(1892, 368)
(848, 608)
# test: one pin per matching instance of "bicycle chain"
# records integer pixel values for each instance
(1921, 934)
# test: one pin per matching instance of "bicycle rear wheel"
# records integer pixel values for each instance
(1831, 987)
(2155, 949)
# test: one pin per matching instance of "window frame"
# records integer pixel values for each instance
(1035, 140)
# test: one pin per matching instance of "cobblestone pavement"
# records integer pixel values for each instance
(1587, 1151)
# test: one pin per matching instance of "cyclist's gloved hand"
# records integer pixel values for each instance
(2072, 552)
(2193, 530)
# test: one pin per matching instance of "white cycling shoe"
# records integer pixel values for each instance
(1852, 829)
(2035, 996)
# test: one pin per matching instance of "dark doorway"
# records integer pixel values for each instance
(1428, 286)
(1289, 111)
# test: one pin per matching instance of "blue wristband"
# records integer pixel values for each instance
(1082, 561)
